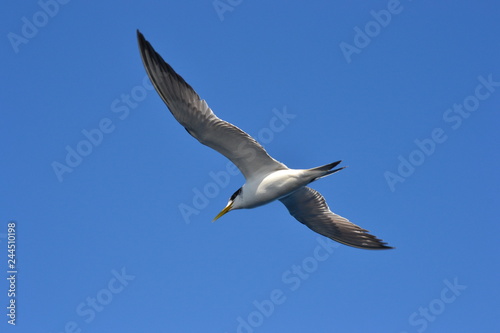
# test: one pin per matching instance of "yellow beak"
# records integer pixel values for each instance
(224, 211)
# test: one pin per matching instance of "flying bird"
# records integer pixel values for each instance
(267, 179)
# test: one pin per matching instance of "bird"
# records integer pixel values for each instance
(266, 179)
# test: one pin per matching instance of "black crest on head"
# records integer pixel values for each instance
(235, 194)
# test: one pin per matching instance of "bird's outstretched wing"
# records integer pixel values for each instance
(309, 207)
(194, 114)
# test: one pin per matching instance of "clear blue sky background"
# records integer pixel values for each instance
(117, 213)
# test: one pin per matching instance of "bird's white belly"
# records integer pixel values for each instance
(276, 185)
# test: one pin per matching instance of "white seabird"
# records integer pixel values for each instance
(266, 179)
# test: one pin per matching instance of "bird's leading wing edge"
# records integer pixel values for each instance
(195, 115)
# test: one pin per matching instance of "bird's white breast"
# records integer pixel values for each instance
(262, 190)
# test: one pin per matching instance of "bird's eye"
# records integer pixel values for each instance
(235, 194)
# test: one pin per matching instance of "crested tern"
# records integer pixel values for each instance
(267, 179)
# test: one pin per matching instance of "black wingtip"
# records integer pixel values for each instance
(378, 246)
(140, 39)
(382, 245)
(375, 243)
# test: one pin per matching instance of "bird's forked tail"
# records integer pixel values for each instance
(327, 169)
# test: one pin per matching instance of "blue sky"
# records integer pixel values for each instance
(99, 176)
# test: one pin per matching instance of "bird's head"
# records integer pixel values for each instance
(231, 204)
